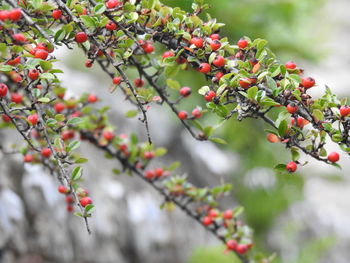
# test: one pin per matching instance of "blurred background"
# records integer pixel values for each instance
(303, 218)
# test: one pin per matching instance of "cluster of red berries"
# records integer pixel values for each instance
(156, 173)
(13, 15)
(147, 46)
(84, 199)
(215, 216)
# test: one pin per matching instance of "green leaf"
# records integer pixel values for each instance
(280, 167)
(217, 140)
(271, 83)
(60, 117)
(208, 130)
(81, 160)
(160, 151)
(74, 121)
(47, 76)
(51, 122)
(59, 35)
(44, 100)
(116, 171)
(203, 90)
(238, 210)
(88, 21)
(45, 65)
(6, 68)
(173, 166)
(173, 84)
(172, 70)
(295, 154)
(76, 173)
(318, 114)
(100, 8)
(282, 128)
(90, 208)
(73, 145)
(131, 113)
(252, 92)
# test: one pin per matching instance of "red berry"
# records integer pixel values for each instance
(242, 248)
(33, 119)
(150, 174)
(81, 37)
(85, 201)
(67, 134)
(33, 74)
(228, 214)
(19, 37)
(185, 91)
(6, 118)
(92, 98)
(308, 82)
(291, 65)
(197, 41)
(139, 82)
(333, 157)
(167, 54)
(108, 135)
(242, 43)
(4, 15)
(42, 54)
(56, 14)
(215, 36)
(231, 244)
(301, 122)
(41, 46)
(69, 199)
(273, 138)
(88, 63)
(112, 4)
(219, 75)
(148, 48)
(181, 60)
(219, 61)
(344, 110)
(46, 152)
(28, 158)
(210, 95)
(204, 68)
(148, 155)
(291, 167)
(17, 98)
(159, 172)
(59, 107)
(215, 45)
(117, 80)
(213, 213)
(182, 115)
(111, 25)
(15, 14)
(70, 208)
(292, 108)
(207, 221)
(14, 61)
(196, 113)
(62, 189)
(253, 61)
(245, 83)
(3, 90)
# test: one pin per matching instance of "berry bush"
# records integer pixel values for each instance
(244, 80)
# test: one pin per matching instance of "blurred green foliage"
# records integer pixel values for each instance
(211, 255)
